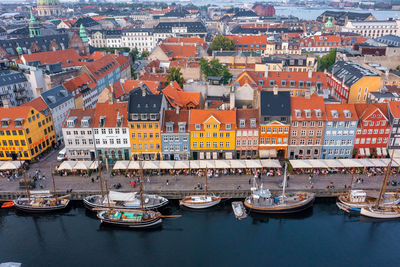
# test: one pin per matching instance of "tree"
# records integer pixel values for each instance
(175, 74)
(134, 54)
(214, 68)
(222, 42)
(144, 54)
(326, 61)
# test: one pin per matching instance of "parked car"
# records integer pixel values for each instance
(62, 155)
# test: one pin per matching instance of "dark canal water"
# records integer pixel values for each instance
(319, 237)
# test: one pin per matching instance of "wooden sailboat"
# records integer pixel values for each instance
(262, 201)
(200, 201)
(357, 199)
(41, 201)
(379, 211)
(123, 201)
(132, 218)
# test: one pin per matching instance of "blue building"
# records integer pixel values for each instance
(105, 71)
(175, 142)
(340, 131)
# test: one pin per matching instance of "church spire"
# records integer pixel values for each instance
(34, 29)
(82, 34)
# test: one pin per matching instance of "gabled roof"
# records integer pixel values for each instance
(247, 114)
(249, 39)
(56, 96)
(38, 104)
(144, 104)
(14, 113)
(152, 86)
(394, 107)
(102, 66)
(198, 116)
(179, 51)
(365, 110)
(176, 118)
(177, 97)
(313, 103)
(79, 81)
(111, 112)
(341, 109)
(79, 114)
(68, 57)
(9, 77)
(350, 72)
(275, 105)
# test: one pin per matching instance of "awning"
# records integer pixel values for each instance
(350, 163)
(121, 165)
(134, 165)
(395, 162)
(333, 163)
(83, 165)
(361, 152)
(222, 164)
(182, 164)
(316, 163)
(270, 163)
(210, 164)
(203, 164)
(194, 164)
(67, 165)
(95, 165)
(167, 164)
(237, 164)
(379, 163)
(151, 165)
(378, 151)
(10, 165)
(300, 164)
(253, 163)
(367, 152)
(366, 162)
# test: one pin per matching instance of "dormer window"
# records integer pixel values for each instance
(297, 113)
(170, 127)
(85, 122)
(242, 123)
(198, 127)
(71, 122)
(102, 121)
(308, 113)
(318, 113)
(5, 122)
(143, 117)
(119, 121)
(347, 114)
(153, 117)
(182, 127)
(135, 117)
(19, 122)
(335, 114)
(228, 126)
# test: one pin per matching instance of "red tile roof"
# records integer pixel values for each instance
(247, 114)
(129, 85)
(111, 112)
(340, 108)
(68, 57)
(97, 54)
(102, 66)
(313, 103)
(173, 116)
(13, 113)
(249, 39)
(179, 51)
(199, 116)
(394, 107)
(161, 78)
(177, 97)
(78, 81)
(186, 40)
(37, 103)
(365, 110)
(123, 61)
(79, 114)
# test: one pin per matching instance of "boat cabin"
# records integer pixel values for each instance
(358, 196)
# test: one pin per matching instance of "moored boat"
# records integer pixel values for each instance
(239, 210)
(262, 201)
(120, 200)
(130, 218)
(41, 204)
(360, 199)
(200, 201)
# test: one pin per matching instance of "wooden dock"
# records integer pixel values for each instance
(237, 194)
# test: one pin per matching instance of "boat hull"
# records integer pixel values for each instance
(348, 209)
(281, 209)
(152, 223)
(90, 203)
(44, 209)
(385, 214)
(343, 200)
(200, 205)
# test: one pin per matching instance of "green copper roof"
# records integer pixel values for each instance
(329, 23)
(48, 2)
(82, 34)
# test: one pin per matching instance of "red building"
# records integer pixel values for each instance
(373, 130)
(263, 10)
(256, 43)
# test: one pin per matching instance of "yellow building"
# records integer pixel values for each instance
(144, 119)
(24, 129)
(351, 83)
(212, 134)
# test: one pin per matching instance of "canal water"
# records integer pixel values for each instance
(320, 236)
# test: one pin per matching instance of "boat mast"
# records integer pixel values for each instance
(205, 188)
(101, 182)
(108, 195)
(54, 185)
(25, 182)
(384, 184)
(351, 184)
(284, 182)
(141, 185)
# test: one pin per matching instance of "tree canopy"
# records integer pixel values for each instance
(222, 42)
(175, 74)
(326, 61)
(214, 68)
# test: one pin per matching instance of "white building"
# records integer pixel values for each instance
(15, 89)
(373, 29)
(78, 135)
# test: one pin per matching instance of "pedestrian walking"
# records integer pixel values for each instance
(249, 181)
(167, 182)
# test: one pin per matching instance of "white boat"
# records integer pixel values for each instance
(378, 210)
(381, 213)
(124, 200)
(239, 210)
(360, 199)
(200, 202)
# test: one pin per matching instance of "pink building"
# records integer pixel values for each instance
(247, 134)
